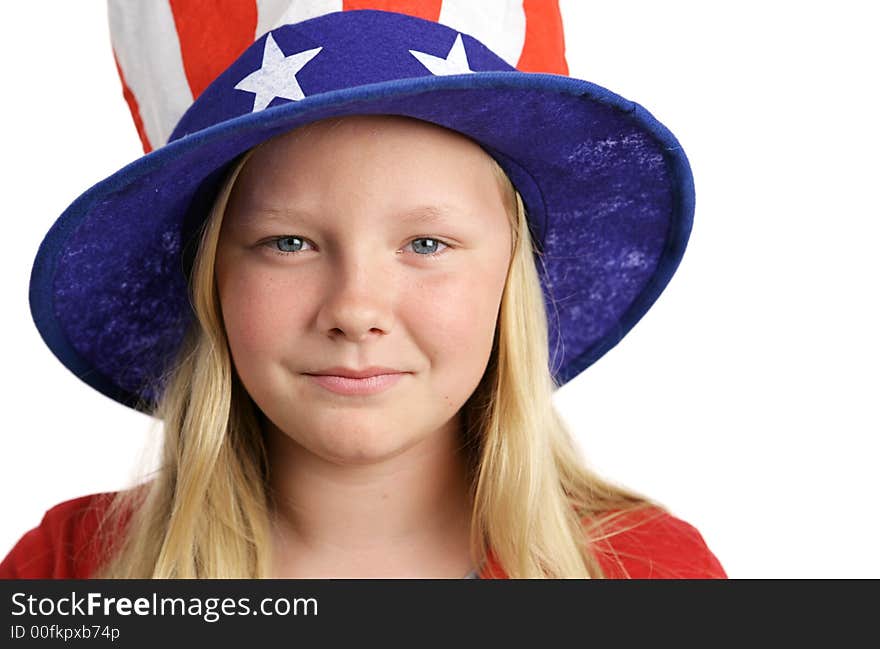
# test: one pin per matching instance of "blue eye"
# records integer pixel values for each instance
(290, 244)
(432, 245)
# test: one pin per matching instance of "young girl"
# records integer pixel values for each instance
(349, 286)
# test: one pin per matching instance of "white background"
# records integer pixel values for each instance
(746, 400)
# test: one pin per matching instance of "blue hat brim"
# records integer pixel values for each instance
(608, 190)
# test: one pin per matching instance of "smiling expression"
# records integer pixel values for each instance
(357, 242)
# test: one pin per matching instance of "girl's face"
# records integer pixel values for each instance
(360, 242)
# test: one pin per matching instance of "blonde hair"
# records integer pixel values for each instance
(538, 510)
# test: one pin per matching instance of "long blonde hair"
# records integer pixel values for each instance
(538, 510)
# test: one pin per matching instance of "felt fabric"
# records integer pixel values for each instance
(607, 188)
(169, 51)
(650, 545)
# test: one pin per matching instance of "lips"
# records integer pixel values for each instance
(349, 386)
(355, 374)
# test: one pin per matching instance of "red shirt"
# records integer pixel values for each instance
(661, 546)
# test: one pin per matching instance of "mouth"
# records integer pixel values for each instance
(348, 386)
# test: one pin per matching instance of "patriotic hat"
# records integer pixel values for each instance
(607, 189)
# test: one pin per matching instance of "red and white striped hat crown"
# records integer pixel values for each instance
(168, 51)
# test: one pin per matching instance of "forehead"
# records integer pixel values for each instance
(407, 165)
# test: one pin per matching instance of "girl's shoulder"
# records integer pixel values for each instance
(65, 545)
(643, 543)
(651, 543)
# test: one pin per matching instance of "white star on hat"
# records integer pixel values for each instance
(276, 76)
(455, 62)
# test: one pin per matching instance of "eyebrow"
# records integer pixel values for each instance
(419, 214)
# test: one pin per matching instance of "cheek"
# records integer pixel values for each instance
(458, 317)
(259, 315)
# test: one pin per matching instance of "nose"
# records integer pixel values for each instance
(358, 302)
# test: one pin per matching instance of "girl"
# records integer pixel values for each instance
(393, 249)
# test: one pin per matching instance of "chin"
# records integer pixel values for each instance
(352, 437)
(360, 443)
(360, 453)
